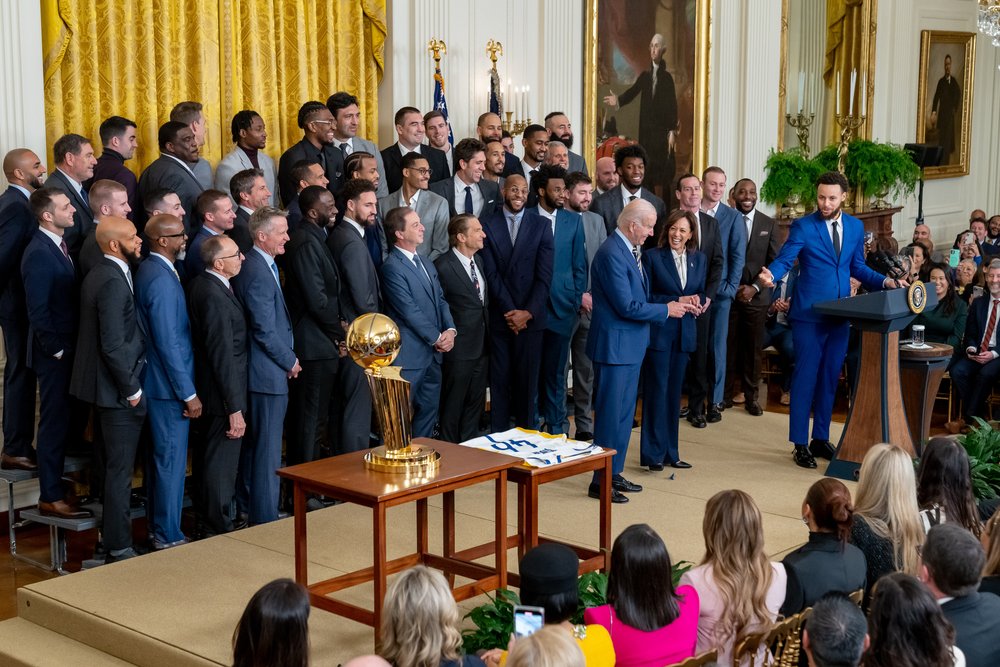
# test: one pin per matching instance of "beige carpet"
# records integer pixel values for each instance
(179, 607)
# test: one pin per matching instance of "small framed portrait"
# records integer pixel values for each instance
(944, 98)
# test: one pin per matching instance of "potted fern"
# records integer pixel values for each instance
(879, 170)
(790, 180)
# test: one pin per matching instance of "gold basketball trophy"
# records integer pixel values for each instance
(373, 341)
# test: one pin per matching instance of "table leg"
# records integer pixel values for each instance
(422, 527)
(523, 498)
(301, 546)
(529, 538)
(378, 558)
(604, 538)
(501, 528)
(448, 537)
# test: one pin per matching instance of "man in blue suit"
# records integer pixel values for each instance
(415, 302)
(829, 246)
(569, 282)
(171, 398)
(272, 364)
(619, 335)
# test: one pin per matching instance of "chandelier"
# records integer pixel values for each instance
(989, 19)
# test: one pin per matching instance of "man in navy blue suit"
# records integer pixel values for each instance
(619, 335)
(272, 364)
(976, 367)
(829, 245)
(215, 210)
(171, 398)
(415, 302)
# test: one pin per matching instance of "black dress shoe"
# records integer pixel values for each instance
(753, 408)
(685, 411)
(584, 436)
(822, 449)
(8, 462)
(619, 483)
(616, 496)
(125, 554)
(714, 415)
(803, 458)
(681, 465)
(655, 467)
(698, 421)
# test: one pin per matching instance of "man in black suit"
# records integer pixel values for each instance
(347, 120)
(119, 141)
(410, 132)
(630, 163)
(317, 123)
(107, 199)
(249, 190)
(172, 170)
(312, 289)
(490, 128)
(468, 192)
(51, 298)
(219, 333)
(110, 355)
(214, 209)
(945, 110)
(75, 163)
(518, 259)
(464, 372)
(351, 408)
(304, 173)
(952, 567)
(976, 366)
(24, 171)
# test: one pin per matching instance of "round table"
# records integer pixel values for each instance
(920, 373)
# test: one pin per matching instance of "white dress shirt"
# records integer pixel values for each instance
(550, 216)
(467, 265)
(748, 221)
(477, 196)
(680, 262)
(225, 280)
(627, 196)
(359, 228)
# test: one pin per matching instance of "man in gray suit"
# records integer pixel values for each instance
(467, 192)
(346, 120)
(579, 195)
(431, 207)
(172, 170)
(560, 129)
(192, 115)
(75, 162)
(250, 138)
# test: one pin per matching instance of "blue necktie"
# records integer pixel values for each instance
(85, 198)
(421, 270)
(274, 270)
(374, 247)
(468, 199)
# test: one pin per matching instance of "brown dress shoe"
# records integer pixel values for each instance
(63, 510)
(17, 463)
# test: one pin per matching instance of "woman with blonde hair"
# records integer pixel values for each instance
(740, 590)
(420, 622)
(887, 526)
(549, 647)
(991, 543)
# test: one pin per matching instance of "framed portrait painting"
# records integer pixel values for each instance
(646, 82)
(944, 98)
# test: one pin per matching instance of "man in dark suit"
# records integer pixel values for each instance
(658, 122)
(272, 361)
(630, 163)
(24, 171)
(569, 281)
(75, 163)
(214, 209)
(468, 192)
(168, 384)
(108, 199)
(51, 297)
(304, 173)
(351, 409)
(317, 125)
(172, 170)
(430, 206)
(347, 120)
(749, 316)
(362, 165)
(490, 128)
(619, 335)
(109, 362)
(946, 108)
(535, 142)
(219, 333)
(977, 365)
(952, 565)
(249, 191)
(462, 275)
(410, 132)
(829, 247)
(518, 257)
(837, 632)
(560, 129)
(119, 141)
(312, 286)
(438, 133)
(415, 302)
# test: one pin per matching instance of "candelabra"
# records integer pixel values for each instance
(801, 123)
(514, 127)
(848, 124)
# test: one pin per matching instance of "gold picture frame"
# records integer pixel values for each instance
(946, 58)
(593, 102)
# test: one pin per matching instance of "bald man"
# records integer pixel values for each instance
(607, 175)
(489, 128)
(24, 171)
(110, 357)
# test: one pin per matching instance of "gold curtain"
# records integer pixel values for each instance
(138, 58)
(844, 48)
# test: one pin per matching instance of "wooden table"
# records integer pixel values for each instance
(345, 478)
(528, 481)
(920, 373)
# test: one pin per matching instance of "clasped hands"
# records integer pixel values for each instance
(445, 341)
(517, 320)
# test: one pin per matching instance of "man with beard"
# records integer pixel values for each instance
(467, 192)
(437, 131)
(346, 120)
(317, 123)
(495, 161)
(118, 136)
(249, 190)
(430, 206)
(250, 138)
(559, 128)
(172, 170)
(361, 165)
(749, 315)
(630, 163)
(215, 210)
(489, 128)
(171, 398)
(569, 281)
(304, 173)
(517, 256)
(829, 245)
(607, 175)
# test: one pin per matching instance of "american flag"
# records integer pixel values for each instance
(440, 103)
(496, 99)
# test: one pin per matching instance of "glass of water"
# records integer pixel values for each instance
(918, 335)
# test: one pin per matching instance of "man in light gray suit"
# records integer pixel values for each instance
(250, 138)
(560, 129)
(346, 119)
(432, 208)
(579, 195)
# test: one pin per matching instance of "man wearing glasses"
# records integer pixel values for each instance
(317, 125)
(431, 207)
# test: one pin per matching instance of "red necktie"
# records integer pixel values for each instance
(990, 326)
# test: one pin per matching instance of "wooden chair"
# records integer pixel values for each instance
(706, 658)
(783, 642)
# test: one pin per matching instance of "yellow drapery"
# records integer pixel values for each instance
(138, 58)
(844, 43)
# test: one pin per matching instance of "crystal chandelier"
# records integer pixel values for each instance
(989, 19)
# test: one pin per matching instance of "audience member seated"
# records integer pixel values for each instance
(946, 322)
(740, 591)
(922, 232)
(991, 543)
(907, 627)
(650, 623)
(953, 561)
(944, 486)
(887, 525)
(919, 256)
(549, 647)
(274, 630)
(968, 277)
(836, 634)
(420, 622)
(976, 365)
(826, 562)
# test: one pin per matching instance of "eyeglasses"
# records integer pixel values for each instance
(238, 254)
(322, 122)
(423, 171)
(174, 236)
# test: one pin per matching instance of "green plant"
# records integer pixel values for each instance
(789, 174)
(982, 444)
(874, 168)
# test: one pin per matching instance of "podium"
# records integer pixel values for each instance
(877, 413)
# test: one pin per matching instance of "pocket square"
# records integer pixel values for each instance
(764, 233)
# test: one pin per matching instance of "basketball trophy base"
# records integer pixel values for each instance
(410, 460)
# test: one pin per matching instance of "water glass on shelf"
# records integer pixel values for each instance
(918, 335)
